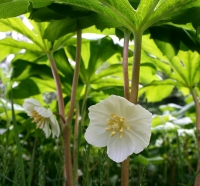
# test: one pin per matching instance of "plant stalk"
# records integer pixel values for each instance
(75, 150)
(125, 173)
(197, 105)
(125, 63)
(67, 127)
(67, 169)
(75, 78)
(136, 67)
(58, 86)
(125, 163)
(133, 95)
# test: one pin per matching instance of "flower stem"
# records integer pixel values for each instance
(133, 95)
(125, 172)
(66, 128)
(58, 86)
(197, 105)
(136, 66)
(125, 63)
(125, 163)
(67, 170)
(75, 150)
(75, 78)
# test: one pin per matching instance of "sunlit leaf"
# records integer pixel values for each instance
(157, 90)
(15, 8)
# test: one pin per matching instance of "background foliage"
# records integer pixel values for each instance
(170, 68)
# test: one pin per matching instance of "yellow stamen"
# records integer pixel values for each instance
(116, 124)
(37, 118)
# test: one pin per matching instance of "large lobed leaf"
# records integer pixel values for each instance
(148, 13)
(13, 8)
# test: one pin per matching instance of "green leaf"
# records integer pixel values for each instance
(63, 65)
(32, 86)
(45, 14)
(157, 90)
(149, 12)
(41, 3)
(58, 11)
(167, 127)
(141, 159)
(94, 54)
(58, 28)
(183, 68)
(159, 120)
(25, 89)
(6, 50)
(151, 48)
(156, 160)
(111, 9)
(166, 11)
(147, 73)
(13, 8)
(171, 37)
(23, 70)
(18, 45)
(186, 68)
(16, 24)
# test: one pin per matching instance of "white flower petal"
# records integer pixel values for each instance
(97, 136)
(54, 126)
(30, 102)
(119, 149)
(98, 118)
(133, 140)
(29, 105)
(45, 116)
(45, 128)
(140, 143)
(136, 112)
(43, 111)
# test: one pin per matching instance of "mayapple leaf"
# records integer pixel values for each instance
(58, 28)
(186, 68)
(12, 46)
(63, 65)
(6, 50)
(58, 11)
(120, 12)
(23, 70)
(170, 37)
(41, 3)
(147, 73)
(169, 10)
(157, 90)
(44, 14)
(147, 14)
(15, 8)
(96, 56)
(26, 88)
(16, 24)
(12, 43)
(32, 86)
(183, 67)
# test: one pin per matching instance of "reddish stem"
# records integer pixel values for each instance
(197, 105)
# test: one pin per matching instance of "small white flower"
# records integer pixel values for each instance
(42, 116)
(120, 125)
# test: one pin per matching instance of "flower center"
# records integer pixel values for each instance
(116, 124)
(37, 118)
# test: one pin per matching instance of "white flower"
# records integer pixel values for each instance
(120, 125)
(42, 116)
